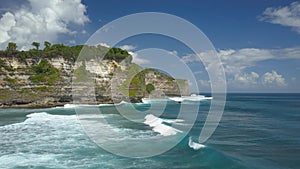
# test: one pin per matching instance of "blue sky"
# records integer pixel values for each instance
(230, 24)
(258, 41)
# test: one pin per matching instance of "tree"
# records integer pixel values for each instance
(47, 44)
(150, 88)
(11, 47)
(36, 45)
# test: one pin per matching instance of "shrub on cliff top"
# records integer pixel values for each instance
(67, 52)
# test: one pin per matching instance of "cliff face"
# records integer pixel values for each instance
(46, 82)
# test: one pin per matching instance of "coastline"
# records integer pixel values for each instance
(30, 106)
(50, 105)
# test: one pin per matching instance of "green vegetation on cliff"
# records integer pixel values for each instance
(81, 74)
(70, 53)
(135, 84)
(5, 66)
(44, 76)
(44, 73)
(134, 80)
(150, 88)
(10, 80)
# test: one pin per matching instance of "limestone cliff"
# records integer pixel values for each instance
(46, 82)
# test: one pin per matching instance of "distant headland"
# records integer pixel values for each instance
(47, 77)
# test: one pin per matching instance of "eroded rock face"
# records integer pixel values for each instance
(167, 85)
(110, 82)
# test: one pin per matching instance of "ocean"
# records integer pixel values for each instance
(256, 131)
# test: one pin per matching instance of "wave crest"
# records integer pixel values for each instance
(194, 145)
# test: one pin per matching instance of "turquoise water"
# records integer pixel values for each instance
(256, 131)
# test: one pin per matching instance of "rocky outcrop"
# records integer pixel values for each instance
(47, 82)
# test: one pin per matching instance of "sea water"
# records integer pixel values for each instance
(256, 131)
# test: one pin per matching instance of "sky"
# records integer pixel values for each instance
(258, 41)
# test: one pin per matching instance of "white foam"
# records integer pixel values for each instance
(176, 121)
(165, 130)
(93, 116)
(45, 115)
(159, 127)
(195, 146)
(29, 160)
(41, 114)
(141, 103)
(77, 105)
(154, 100)
(41, 140)
(106, 133)
(105, 105)
(70, 105)
(122, 102)
(193, 98)
(108, 105)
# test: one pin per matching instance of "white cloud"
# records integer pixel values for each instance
(287, 53)
(273, 79)
(104, 44)
(41, 20)
(246, 79)
(6, 23)
(135, 57)
(72, 42)
(204, 83)
(138, 60)
(199, 72)
(173, 52)
(128, 47)
(212, 65)
(285, 16)
(236, 62)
